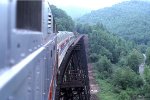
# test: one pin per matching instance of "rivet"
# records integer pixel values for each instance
(29, 77)
(30, 50)
(43, 93)
(37, 89)
(10, 98)
(35, 47)
(22, 54)
(29, 89)
(38, 72)
(12, 61)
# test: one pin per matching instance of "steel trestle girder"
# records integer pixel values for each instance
(72, 77)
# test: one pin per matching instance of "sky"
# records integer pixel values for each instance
(77, 8)
(85, 4)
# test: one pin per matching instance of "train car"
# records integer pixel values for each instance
(64, 40)
(27, 50)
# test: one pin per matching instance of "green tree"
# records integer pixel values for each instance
(83, 28)
(142, 48)
(125, 78)
(63, 21)
(148, 56)
(104, 67)
(122, 62)
(104, 43)
(147, 74)
(147, 81)
(94, 57)
(123, 96)
(134, 59)
(146, 91)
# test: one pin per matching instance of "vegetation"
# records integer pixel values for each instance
(130, 20)
(134, 59)
(125, 78)
(104, 67)
(146, 90)
(116, 63)
(106, 90)
(63, 21)
(148, 56)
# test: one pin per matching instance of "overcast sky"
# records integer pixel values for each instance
(87, 4)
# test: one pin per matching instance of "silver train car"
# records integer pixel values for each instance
(64, 40)
(27, 50)
(31, 50)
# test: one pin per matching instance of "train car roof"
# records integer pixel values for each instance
(63, 35)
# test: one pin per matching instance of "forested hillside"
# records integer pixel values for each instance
(116, 62)
(128, 19)
(63, 21)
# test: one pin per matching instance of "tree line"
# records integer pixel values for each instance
(63, 21)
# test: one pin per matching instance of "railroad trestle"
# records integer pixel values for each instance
(72, 78)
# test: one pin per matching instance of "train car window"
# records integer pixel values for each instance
(49, 16)
(49, 20)
(29, 14)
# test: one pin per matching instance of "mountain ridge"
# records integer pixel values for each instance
(129, 19)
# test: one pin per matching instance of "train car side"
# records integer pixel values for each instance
(27, 50)
(64, 40)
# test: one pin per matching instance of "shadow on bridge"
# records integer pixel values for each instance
(72, 78)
